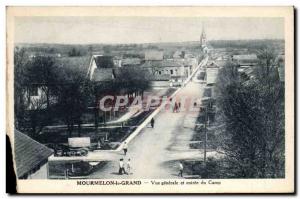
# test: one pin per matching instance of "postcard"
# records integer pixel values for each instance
(151, 100)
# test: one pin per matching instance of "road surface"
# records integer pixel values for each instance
(155, 153)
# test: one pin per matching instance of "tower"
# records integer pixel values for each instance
(203, 38)
(203, 41)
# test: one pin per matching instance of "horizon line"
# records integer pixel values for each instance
(58, 43)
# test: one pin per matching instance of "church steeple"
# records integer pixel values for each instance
(203, 38)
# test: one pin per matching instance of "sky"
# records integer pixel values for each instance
(114, 30)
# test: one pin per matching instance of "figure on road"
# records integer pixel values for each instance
(180, 169)
(175, 107)
(125, 148)
(128, 167)
(121, 167)
(152, 122)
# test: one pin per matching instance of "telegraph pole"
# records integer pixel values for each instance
(205, 131)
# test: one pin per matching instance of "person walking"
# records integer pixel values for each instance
(175, 107)
(128, 167)
(125, 148)
(152, 122)
(180, 169)
(179, 106)
(121, 166)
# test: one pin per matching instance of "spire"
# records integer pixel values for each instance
(203, 37)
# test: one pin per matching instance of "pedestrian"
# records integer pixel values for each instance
(179, 105)
(121, 166)
(180, 169)
(175, 107)
(125, 146)
(128, 167)
(152, 122)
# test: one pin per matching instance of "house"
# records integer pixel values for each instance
(97, 68)
(212, 64)
(245, 59)
(211, 75)
(31, 157)
(190, 64)
(101, 68)
(154, 55)
(117, 61)
(174, 70)
(178, 54)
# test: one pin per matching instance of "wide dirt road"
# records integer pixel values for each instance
(155, 153)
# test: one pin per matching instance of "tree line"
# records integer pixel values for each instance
(252, 109)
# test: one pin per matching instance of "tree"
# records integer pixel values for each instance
(74, 53)
(133, 79)
(253, 111)
(20, 67)
(74, 96)
(36, 73)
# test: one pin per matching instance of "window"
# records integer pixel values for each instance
(171, 71)
(159, 72)
(33, 91)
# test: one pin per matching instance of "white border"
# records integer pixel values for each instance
(3, 3)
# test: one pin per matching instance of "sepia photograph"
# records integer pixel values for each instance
(151, 99)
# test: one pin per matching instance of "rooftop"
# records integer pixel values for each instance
(245, 57)
(163, 63)
(28, 153)
(102, 74)
(80, 63)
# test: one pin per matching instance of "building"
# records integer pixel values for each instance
(31, 157)
(245, 59)
(131, 62)
(154, 55)
(117, 61)
(211, 76)
(101, 68)
(190, 64)
(179, 54)
(167, 68)
(97, 68)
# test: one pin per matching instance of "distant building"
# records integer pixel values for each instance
(39, 54)
(179, 54)
(154, 55)
(168, 68)
(131, 62)
(245, 59)
(31, 157)
(117, 61)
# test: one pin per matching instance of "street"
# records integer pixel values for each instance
(152, 149)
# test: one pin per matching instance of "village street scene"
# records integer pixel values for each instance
(201, 105)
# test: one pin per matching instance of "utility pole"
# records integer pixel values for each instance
(205, 131)
(206, 108)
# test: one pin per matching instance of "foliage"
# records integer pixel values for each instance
(74, 53)
(74, 96)
(253, 111)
